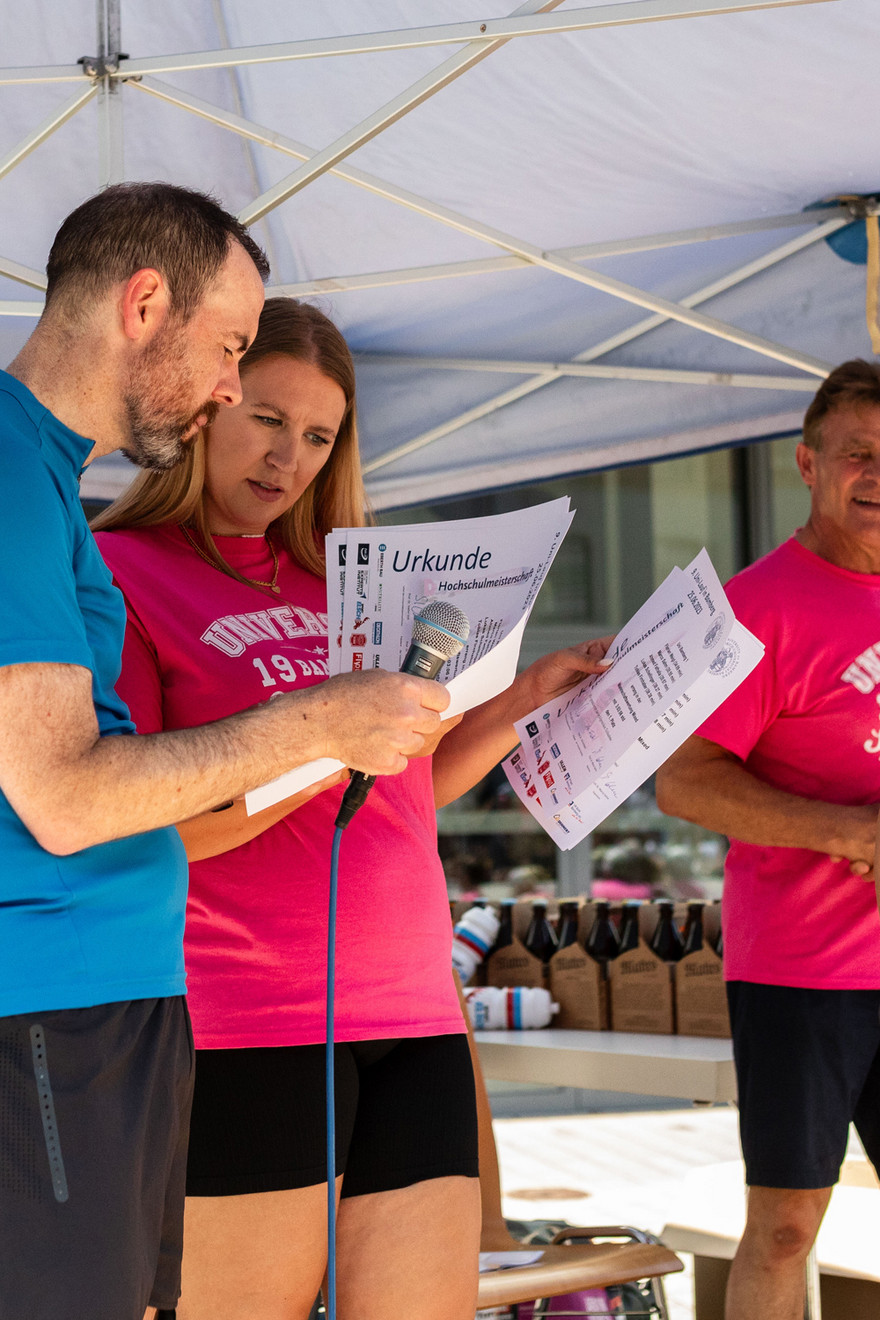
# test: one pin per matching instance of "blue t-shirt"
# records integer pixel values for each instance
(104, 924)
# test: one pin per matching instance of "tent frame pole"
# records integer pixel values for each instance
(523, 22)
(562, 266)
(593, 371)
(383, 118)
(499, 401)
(38, 135)
(111, 155)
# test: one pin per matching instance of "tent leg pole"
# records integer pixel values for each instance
(110, 137)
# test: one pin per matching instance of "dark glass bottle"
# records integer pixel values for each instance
(567, 929)
(540, 938)
(693, 929)
(666, 941)
(629, 925)
(718, 942)
(603, 942)
(505, 926)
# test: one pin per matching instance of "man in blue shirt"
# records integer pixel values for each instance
(154, 293)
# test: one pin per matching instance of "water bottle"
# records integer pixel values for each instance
(472, 939)
(494, 1008)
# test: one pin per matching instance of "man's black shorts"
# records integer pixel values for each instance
(405, 1112)
(807, 1064)
(95, 1114)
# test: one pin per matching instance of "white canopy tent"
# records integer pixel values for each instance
(569, 237)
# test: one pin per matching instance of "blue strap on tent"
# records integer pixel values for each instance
(859, 243)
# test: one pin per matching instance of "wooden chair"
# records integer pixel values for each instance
(564, 1267)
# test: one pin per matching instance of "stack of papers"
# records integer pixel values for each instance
(379, 578)
(674, 662)
(583, 754)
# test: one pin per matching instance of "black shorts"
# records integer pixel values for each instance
(95, 1114)
(405, 1112)
(807, 1064)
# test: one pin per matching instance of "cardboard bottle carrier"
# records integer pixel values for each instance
(642, 984)
(635, 992)
(700, 996)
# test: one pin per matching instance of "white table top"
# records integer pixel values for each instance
(708, 1211)
(686, 1067)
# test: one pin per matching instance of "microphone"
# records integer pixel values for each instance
(439, 632)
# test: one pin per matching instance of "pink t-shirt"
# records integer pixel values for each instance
(200, 646)
(807, 720)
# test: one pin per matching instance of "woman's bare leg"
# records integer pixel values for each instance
(255, 1257)
(412, 1252)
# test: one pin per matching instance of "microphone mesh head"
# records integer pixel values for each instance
(442, 627)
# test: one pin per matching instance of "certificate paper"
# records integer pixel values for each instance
(675, 662)
(379, 578)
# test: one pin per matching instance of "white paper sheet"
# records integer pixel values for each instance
(569, 819)
(507, 1260)
(491, 568)
(656, 656)
(378, 578)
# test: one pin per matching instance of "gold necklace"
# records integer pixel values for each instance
(254, 582)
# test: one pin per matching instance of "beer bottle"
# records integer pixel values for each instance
(603, 942)
(505, 928)
(666, 941)
(540, 939)
(567, 929)
(693, 929)
(718, 942)
(629, 925)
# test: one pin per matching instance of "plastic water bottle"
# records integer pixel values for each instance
(494, 1008)
(472, 939)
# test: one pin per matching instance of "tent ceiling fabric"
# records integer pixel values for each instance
(467, 227)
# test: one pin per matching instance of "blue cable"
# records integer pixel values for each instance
(330, 1300)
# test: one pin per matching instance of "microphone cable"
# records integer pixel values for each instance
(330, 1076)
(439, 632)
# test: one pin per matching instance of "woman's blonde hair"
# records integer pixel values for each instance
(336, 497)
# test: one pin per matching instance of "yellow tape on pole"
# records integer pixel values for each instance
(873, 280)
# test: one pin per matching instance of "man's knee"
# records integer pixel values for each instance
(781, 1224)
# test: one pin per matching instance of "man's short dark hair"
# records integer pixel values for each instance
(852, 382)
(183, 234)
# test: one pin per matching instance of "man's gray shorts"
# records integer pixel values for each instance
(94, 1120)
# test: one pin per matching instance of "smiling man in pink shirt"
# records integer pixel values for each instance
(789, 768)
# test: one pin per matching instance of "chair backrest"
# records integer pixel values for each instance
(562, 1269)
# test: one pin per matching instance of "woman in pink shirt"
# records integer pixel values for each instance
(221, 564)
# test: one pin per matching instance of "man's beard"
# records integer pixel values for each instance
(156, 437)
(153, 405)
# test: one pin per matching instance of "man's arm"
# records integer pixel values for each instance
(704, 783)
(73, 788)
